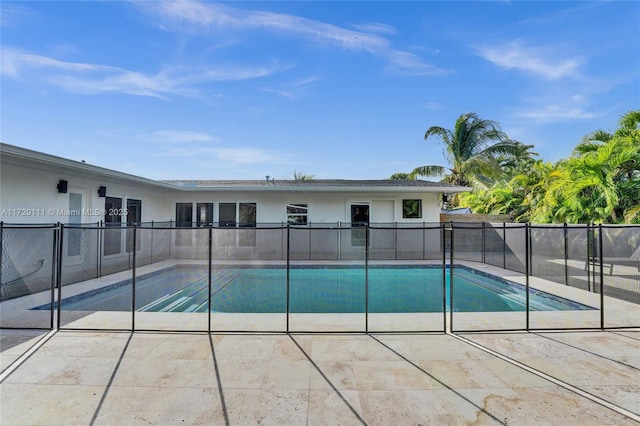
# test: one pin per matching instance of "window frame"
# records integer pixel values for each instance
(291, 215)
(407, 210)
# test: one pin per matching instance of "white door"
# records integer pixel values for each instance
(382, 211)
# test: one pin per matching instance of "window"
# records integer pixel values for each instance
(184, 212)
(297, 214)
(411, 209)
(112, 219)
(227, 214)
(204, 214)
(74, 235)
(134, 217)
(248, 215)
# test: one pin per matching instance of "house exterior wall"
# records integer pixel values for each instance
(323, 207)
(29, 194)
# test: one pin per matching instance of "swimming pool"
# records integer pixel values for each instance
(327, 289)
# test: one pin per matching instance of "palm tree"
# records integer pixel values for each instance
(402, 176)
(301, 176)
(471, 149)
(590, 187)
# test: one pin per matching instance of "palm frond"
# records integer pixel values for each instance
(428, 171)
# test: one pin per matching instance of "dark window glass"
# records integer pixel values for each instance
(248, 213)
(113, 220)
(227, 214)
(204, 214)
(134, 217)
(297, 214)
(412, 209)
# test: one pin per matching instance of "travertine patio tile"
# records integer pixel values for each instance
(327, 407)
(33, 404)
(379, 375)
(626, 396)
(285, 374)
(136, 405)
(157, 372)
(242, 348)
(330, 350)
(320, 379)
(462, 373)
(83, 371)
(242, 374)
(267, 407)
(38, 368)
(339, 375)
(191, 406)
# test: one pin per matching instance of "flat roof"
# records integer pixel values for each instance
(22, 155)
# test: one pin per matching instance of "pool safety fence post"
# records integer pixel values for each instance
(504, 245)
(288, 269)
(133, 281)
(1, 249)
(424, 240)
(566, 253)
(54, 258)
(100, 245)
(527, 256)
(600, 259)
(483, 242)
(210, 232)
(366, 279)
(444, 278)
(451, 268)
(588, 262)
(59, 270)
(97, 229)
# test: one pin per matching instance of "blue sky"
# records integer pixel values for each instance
(204, 90)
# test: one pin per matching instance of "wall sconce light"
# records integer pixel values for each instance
(62, 186)
(102, 191)
(445, 198)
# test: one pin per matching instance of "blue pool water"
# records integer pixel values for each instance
(316, 290)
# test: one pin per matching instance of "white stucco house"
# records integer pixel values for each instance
(41, 188)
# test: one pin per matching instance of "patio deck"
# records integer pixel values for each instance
(73, 377)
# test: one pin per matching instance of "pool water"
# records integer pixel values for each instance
(317, 290)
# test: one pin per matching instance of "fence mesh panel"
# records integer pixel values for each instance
(468, 241)
(329, 296)
(476, 300)
(515, 247)
(494, 244)
(172, 295)
(621, 275)
(248, 290)
(26, 277)
(548, 253)
(341, 277)
(578, 270)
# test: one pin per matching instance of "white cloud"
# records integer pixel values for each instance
(85, 78)
(227, 157)
(294, 89)
(178, 136)
(247, 156)
(375, 27)
(531, 59)
(556, 112)
(195, 17)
